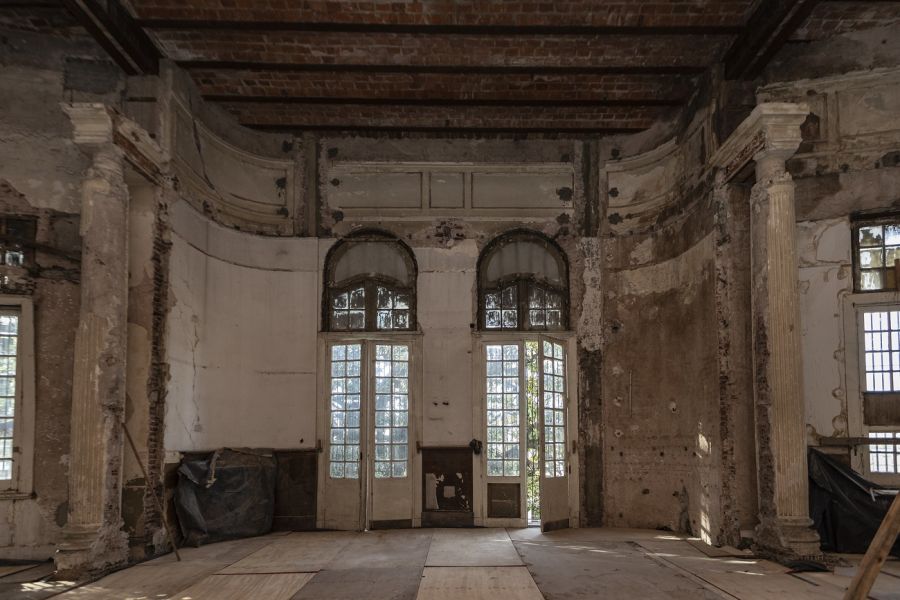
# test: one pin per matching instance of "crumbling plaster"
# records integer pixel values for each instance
(845, 166)
(40, 176)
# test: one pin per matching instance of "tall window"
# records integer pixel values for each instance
(346, 402)
(363, 373)
(523, 284)
(881, 350)
(9, 370)
(370, 282)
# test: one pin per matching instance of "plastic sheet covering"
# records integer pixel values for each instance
(845, 508)
(229, 494)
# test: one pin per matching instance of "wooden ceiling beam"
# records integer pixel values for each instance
(400, 129)
(113, 27)
(504, 30)
(221, 65)
(767, 30)
(512, 102)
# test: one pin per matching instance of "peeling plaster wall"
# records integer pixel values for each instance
(40, 176)
(847, 164)
(241, 338)
(666, 463)
(825, 278)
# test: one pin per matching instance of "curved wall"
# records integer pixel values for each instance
(241, 337)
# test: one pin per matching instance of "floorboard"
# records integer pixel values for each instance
(281, 586)
(472, 548)
(395, 583)
(12, 569)
(747, 579)
(478, 583)
(299, 553)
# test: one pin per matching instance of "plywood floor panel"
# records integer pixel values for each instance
(160, 582)
(305, 553)
(384, 549)
(12, 569)
(748, 579)
(577, 569)
(478, 583)
(472, 548)
(280, 586)
(394, 583)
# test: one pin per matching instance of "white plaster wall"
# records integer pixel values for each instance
(825, 277)
(242, 338)
(446, 289)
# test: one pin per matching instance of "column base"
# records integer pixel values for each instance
(789, 537)
(90, 549)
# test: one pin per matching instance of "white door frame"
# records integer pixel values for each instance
(368, 340)
(479, 426)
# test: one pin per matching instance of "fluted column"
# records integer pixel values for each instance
(778, 394)
(93, 535)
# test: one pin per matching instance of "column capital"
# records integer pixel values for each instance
(771, 133)
(97, 126)
(93, 123)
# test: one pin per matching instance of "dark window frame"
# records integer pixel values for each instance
(24, 244)
(524, 282)
(370, 283)
(857, 222)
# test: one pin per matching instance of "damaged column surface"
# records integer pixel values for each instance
(785, 526)
(93, 535)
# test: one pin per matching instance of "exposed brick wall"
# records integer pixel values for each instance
(433, 49)
(460, 12)
(47, 17)
(439, 117)
(443, 85)
(834, 18)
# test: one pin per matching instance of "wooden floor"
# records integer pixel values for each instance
(476, 564)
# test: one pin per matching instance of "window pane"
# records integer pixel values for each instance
(9, 326)
(503, 415)
(392, 410)
(871, 236)
(393, 309)
(554, 383)
(884, 458)
(881, 350)
(345, 411)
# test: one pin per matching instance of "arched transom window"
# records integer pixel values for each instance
(523, 284)
(370, 282)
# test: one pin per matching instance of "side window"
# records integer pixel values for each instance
(370, 283)
(523, 283)
(876, 254)
(16, 394)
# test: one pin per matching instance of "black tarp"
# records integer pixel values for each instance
(845, 508)
(229, 494)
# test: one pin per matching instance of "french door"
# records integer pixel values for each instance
(367, 460)
(526, 460)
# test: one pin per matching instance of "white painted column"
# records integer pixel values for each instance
(778, 391)
(93, 535)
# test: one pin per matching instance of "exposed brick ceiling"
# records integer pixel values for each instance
(571, 66)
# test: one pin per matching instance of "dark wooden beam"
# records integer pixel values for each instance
(767, 30)
(220, 65)
(309, 100)
(399, 129)
(506, 30)
(113, 27)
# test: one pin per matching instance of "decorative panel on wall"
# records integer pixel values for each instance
(237, 188)
(376, 189)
